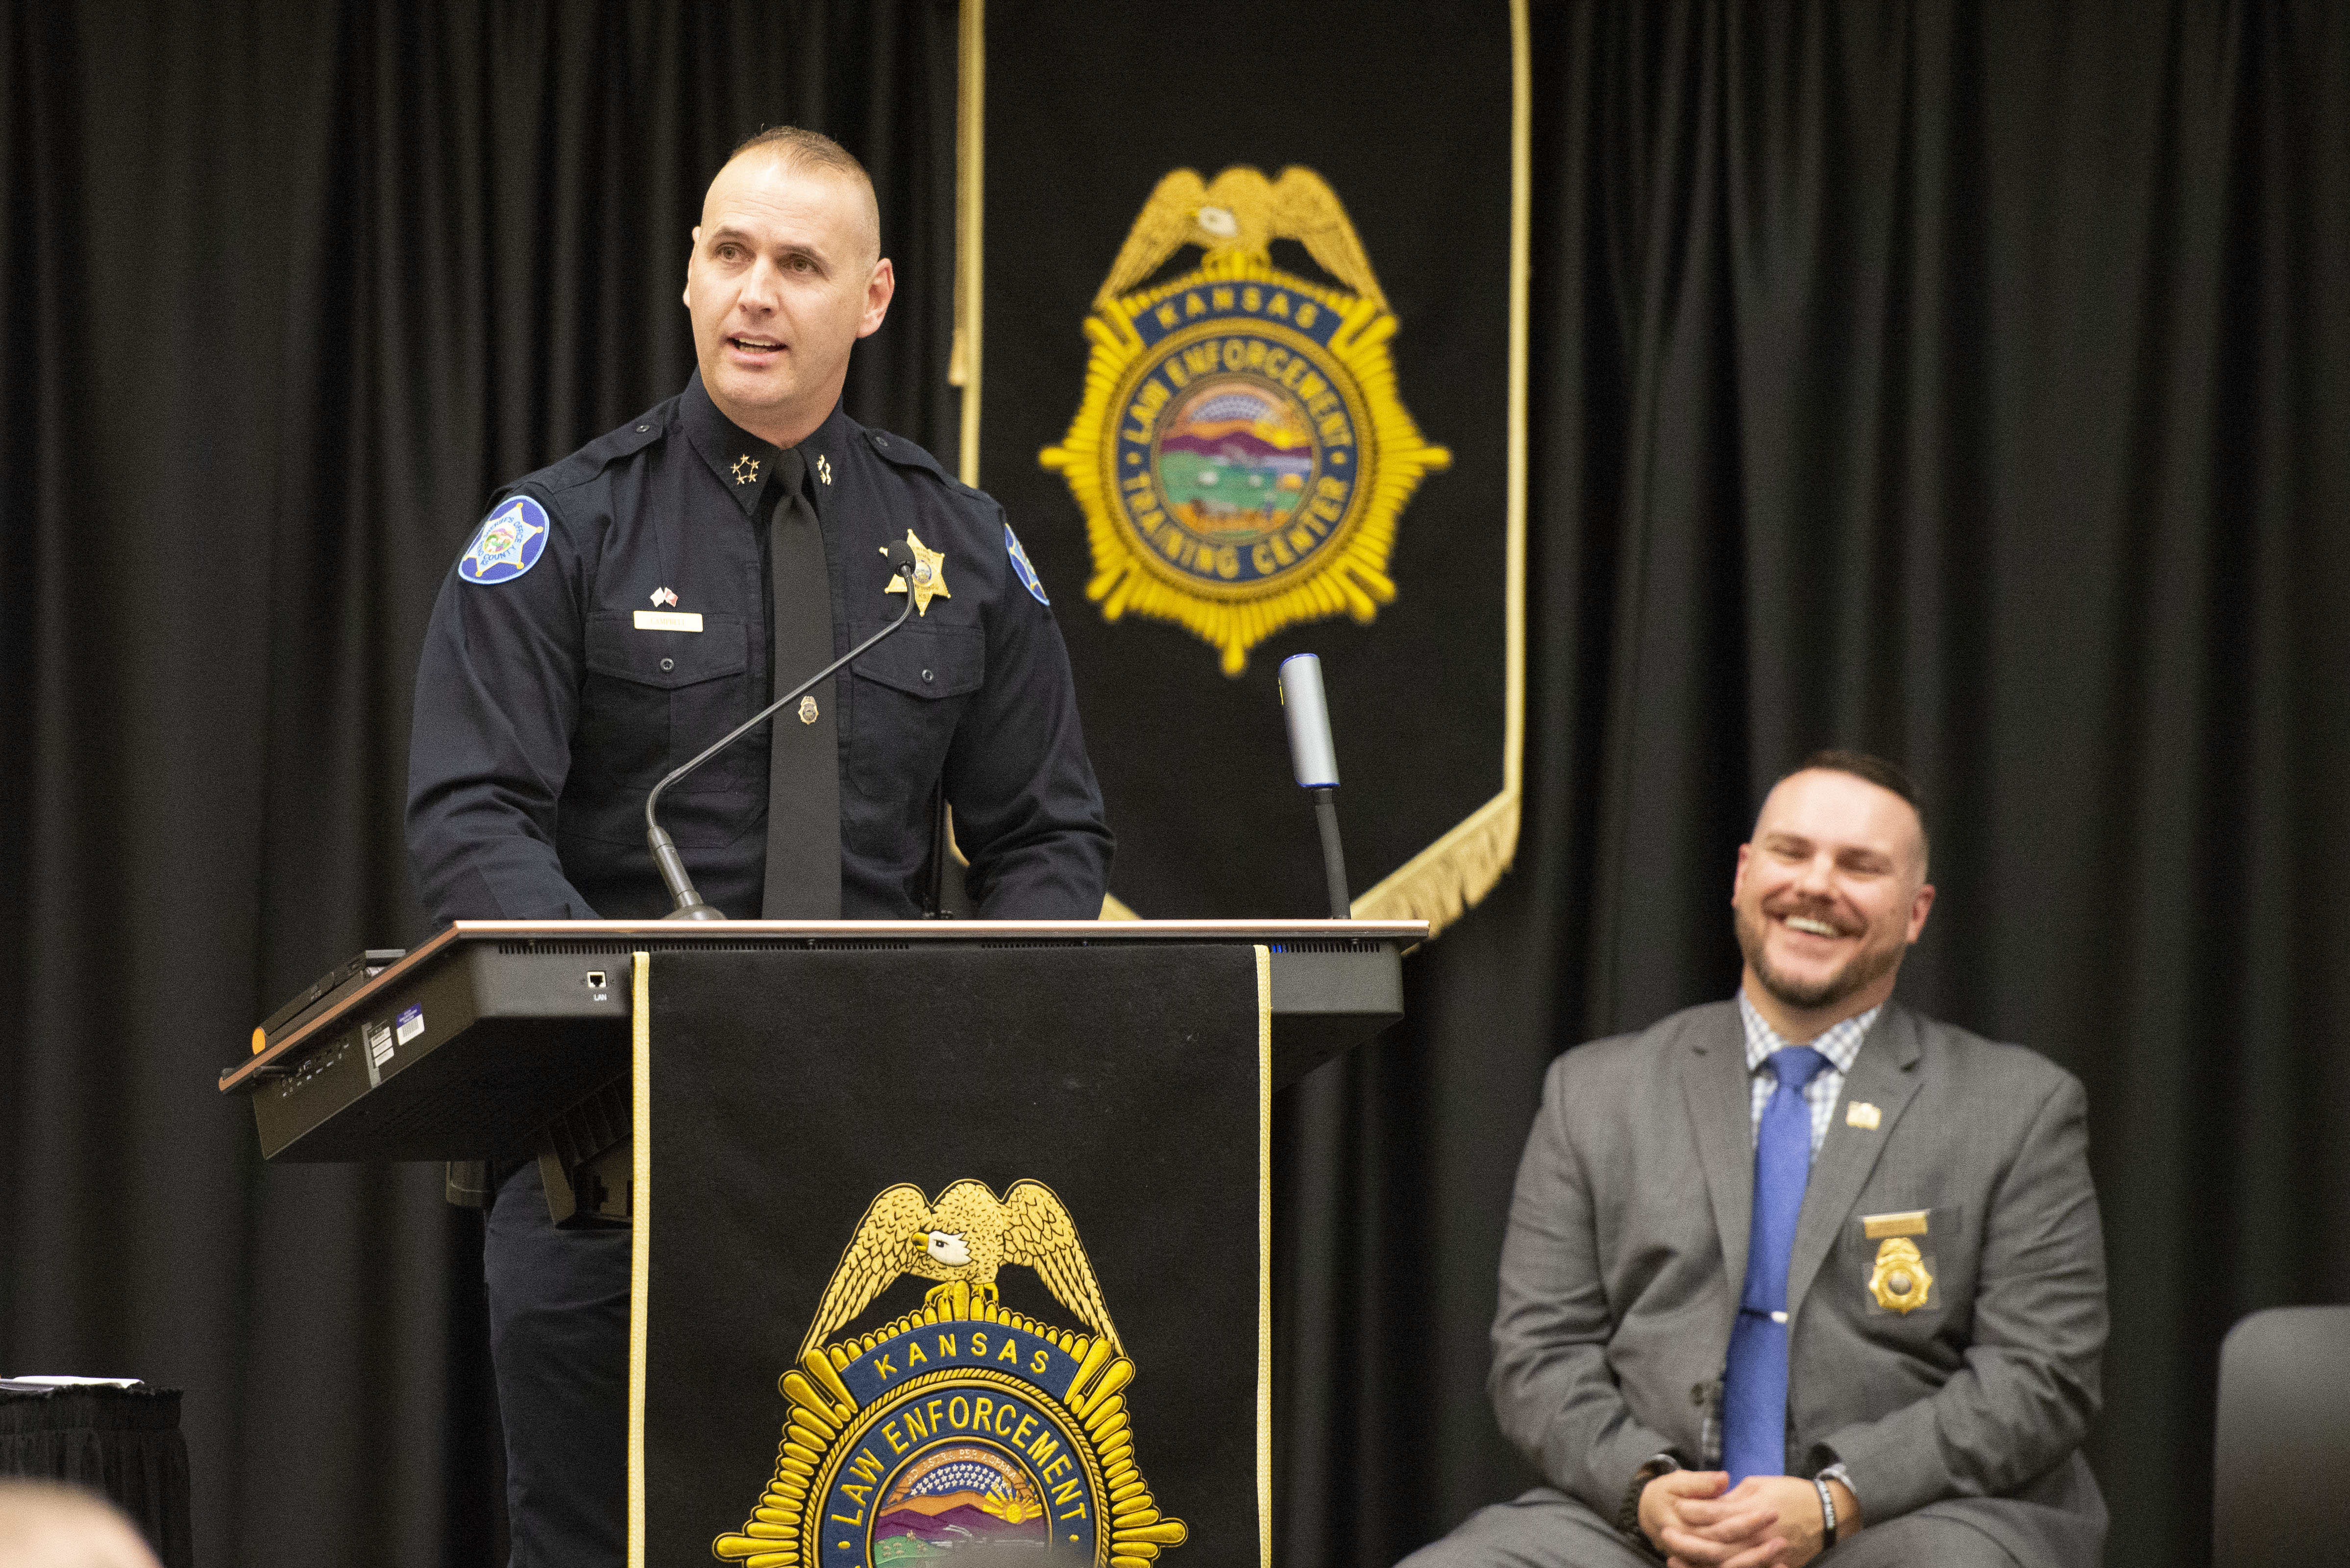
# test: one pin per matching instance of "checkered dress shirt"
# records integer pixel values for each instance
(1839, 1044)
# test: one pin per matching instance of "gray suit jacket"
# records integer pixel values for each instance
(1626, 1249)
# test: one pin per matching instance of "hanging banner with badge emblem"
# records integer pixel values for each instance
(1252, 381)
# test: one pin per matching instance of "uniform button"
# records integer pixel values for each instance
(644, 427)
(881, 441)
(668, 664)
(926, 675)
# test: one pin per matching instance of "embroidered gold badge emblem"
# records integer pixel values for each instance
(961, 1426)
(1241, 455)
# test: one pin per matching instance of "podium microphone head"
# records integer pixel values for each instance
(1311, 753)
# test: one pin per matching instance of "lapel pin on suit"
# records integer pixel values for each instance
(1862, 1114)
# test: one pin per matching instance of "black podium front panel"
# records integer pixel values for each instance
(954, 1249)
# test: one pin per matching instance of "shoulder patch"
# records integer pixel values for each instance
(508, 544)
(1024, 568)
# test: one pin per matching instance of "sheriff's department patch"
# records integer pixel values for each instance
(961, 1426)
(1241, 455)
(508, 544)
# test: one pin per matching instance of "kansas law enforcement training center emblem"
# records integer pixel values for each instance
(963, 1425)
(1241, 456)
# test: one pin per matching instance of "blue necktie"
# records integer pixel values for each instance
(1754, 1387)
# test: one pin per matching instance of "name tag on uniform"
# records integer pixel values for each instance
(1881, 1227)
(669, 620)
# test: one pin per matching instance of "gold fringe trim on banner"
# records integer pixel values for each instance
(1441, 883)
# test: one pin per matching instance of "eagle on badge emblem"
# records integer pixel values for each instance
(1241, 455)
(961, 1424)
(967, 1235)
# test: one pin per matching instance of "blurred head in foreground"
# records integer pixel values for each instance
(45, 1525)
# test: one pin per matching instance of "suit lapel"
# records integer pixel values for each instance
(1885, 1076)
(1715, 1084)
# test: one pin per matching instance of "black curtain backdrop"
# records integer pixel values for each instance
(1964, 381)
(1970, 383)
(288, 289)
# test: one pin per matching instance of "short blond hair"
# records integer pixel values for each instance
(799, 148)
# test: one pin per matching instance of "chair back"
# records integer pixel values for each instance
(2282, 1469)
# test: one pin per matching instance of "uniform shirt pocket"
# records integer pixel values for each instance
(652, 700)
(1902, 1267)
(926, 661)
(910, 692)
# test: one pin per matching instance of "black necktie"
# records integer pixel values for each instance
(804, 748)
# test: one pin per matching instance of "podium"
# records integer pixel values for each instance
(947, 1234)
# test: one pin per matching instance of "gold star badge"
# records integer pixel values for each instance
(746, 462)
(930, 576)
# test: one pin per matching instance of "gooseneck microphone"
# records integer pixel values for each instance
(1314, 760)
(690, 906)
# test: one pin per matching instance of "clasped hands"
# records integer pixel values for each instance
(1698, 1520)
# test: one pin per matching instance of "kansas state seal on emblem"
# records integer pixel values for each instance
(1241, 456)
(961, 1424)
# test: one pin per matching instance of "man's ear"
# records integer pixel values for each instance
(880, 287)
(694, 243)
(1919, 906)
(1745, 853)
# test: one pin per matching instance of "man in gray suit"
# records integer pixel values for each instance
(1803, 1270)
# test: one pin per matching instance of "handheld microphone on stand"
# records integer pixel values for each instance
(690, 906)
(1314, 759)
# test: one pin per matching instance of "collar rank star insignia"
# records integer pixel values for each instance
(1241, 455)
(508, 544)
(930, 576)
(745, 469)
(961, 1424)
(663, 596)
(824, 467)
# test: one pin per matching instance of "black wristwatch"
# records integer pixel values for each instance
(1627, 1513)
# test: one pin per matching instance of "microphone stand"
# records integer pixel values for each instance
(690, 906)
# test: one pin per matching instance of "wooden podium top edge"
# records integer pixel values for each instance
(1410, 932)
(1088, 930)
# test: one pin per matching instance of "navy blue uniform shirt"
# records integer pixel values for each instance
(545, 712)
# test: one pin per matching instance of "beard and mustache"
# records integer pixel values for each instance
(1871, 963)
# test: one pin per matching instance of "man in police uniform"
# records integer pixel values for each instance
(617, 612)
